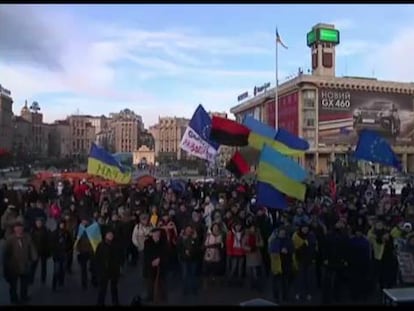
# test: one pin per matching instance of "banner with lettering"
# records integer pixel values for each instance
(194, 145)
(196, 140)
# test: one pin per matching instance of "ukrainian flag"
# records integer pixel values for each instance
(280, 140)
(93, 232)
(103, 164)
(282, 173)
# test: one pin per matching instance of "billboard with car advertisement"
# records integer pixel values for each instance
(288, 112)
(343, 113)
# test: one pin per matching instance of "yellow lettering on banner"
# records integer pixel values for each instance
(112, 174)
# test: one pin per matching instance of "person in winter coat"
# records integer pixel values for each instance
(214, 254)
(188, 249)
(155, 266)
(183, 217)
(8, 220)
(281, 252)
(141, 232)
(334, 256)
(235, 254)
(85, 255)
(34, 212)
(18, 256)
(116, 226)
(305, 245)
(61, 246)
(108, 267)
(264, 225)
(40, 237)
(71, 223)
(253, 243)
(384, 263)
(359, 260)
(208, 210)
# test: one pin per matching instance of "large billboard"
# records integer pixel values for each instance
(288, 112)
(343, 113)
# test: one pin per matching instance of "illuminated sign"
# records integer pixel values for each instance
(322, 35)
(242, 96)
(311, 37)
(259, 89)
(329, 35)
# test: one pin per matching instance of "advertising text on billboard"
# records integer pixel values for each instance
(343, 113)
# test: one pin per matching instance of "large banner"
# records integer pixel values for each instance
(196, 146)
(342, 114)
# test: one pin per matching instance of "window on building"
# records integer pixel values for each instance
(309, 98)
(327, 60)
(309, 117)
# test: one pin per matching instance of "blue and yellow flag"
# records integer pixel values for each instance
(290, 168)
(279, 140)
(282, 173)
(103, 164)
(273, 176)
(93, 232)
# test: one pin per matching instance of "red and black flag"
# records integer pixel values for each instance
(228, 132)
(238, 165)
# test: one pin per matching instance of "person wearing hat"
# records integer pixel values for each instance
(155, 266)
(8, 219)
(18, 255)
(61, 247)
(189, 250)
(359, 261)
(40, 237)
(235, 253)
(108, 266)
(305, 245)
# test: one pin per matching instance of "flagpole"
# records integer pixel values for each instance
(276, 85)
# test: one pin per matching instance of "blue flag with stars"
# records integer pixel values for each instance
(374, 148)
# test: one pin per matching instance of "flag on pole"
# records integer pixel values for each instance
(196, 139)
(374, 148)
(279, 40)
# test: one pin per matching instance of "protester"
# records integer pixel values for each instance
(328, 246)
(108, 266)
(61, 247)
(41, 240)
(85, 251)
(189, 248)
(19, 255)
(155, 267)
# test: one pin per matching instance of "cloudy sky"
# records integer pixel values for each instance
(164, 60)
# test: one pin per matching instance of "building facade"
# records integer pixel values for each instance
(6, 116)
(167, 134)
(82, 135)
(39, 131)
(329, 111)
(127, 127)
(60, 139)
(144, 155)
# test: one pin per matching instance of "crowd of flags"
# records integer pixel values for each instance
(279, 174)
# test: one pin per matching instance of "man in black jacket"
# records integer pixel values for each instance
(40, 237)
(335, 255)
(61, 243)
(108, 265)
(155, 266)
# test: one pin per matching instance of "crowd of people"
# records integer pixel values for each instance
(346, 243)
